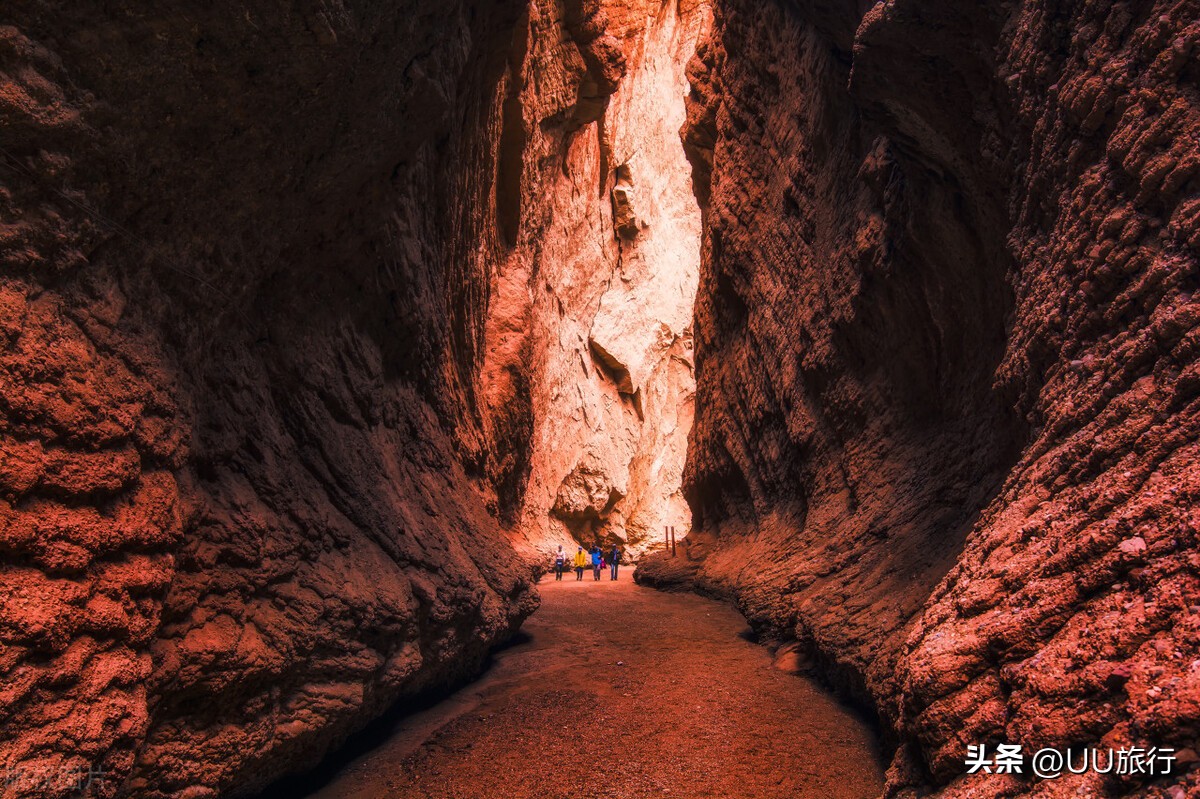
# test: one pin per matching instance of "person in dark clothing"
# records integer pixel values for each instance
(560, 563)
(614, 558)
(597, 556)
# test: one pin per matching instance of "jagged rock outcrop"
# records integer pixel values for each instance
(252, 476)
(946, 336)
(318, 320)
(608, 258)
(590, 491)
(303, 310)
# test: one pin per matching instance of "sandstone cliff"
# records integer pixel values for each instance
(946, 348)
(605, 271)
(250, 491)
(320, 322)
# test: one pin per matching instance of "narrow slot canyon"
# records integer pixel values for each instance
(599, 286)
(326, 324)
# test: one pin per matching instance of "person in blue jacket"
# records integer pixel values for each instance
(597, 556)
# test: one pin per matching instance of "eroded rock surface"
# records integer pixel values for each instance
(608, 256)
(251, 494)
(946, 339)
(318, 319)
(318, 322)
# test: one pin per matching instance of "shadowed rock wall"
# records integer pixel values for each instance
(250, 490)
(320, 320)
(946, 342)
(287, 292)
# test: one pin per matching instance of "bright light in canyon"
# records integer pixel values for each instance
(324, 324)
(618, 267)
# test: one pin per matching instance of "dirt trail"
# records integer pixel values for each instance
(621, 691)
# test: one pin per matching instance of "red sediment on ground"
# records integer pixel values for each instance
(619, 691)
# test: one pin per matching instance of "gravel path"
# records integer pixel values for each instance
(621, 691)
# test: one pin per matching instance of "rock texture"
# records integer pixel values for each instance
(946, 358)
(319, 320)
(605, 270)
(252, 483)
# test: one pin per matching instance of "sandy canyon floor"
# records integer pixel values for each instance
(615, 690)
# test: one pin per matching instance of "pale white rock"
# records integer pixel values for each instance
(611, 268)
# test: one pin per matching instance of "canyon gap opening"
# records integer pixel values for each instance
(602, 277)
(294, 298)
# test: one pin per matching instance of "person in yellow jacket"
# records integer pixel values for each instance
(581, 563)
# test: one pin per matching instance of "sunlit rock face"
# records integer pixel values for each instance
(946, 346)
(609, 253)
(319, 321)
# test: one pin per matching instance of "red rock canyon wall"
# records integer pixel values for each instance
(250, 489)
(321, 322)
(603, 275)
(946, 348)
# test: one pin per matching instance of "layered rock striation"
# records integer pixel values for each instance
(319, 323)
(945, 341)
(252, 490)
(319, 320)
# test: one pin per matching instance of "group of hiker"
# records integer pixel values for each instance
(596, 559)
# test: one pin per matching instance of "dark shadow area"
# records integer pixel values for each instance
(379, 731)
(750, 635)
